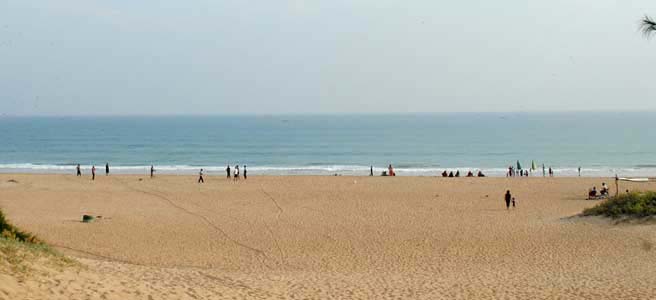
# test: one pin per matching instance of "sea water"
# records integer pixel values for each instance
(601, 143)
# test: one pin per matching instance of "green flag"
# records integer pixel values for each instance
(519, 167)
(533, 165)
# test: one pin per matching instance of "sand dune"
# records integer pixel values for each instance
(326, 238)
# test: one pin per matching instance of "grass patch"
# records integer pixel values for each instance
(9, 231)
(20, 250)
(634, 204)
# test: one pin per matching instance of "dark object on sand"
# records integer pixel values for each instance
(88, 218)
(12, 181)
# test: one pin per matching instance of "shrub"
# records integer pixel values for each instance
(635, 204)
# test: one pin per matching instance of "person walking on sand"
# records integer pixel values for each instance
(79, 172)
(508, 197)
(106, 169)
(513, 202)
(228, 172)
(93, 172)
(236, 177)
(245, 176)
(550, 172)
(152, 171)
(371, 170)
(200, 176)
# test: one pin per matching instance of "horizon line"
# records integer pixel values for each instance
(321, 113)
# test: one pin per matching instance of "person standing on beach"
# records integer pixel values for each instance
(228, 172)
(152, 171)
(93, 172)
(513, 202)
(579, 171)
(371, 170)
(106, 169)
(245, 176)
(236, 177)
(543, 171)
(508, 197)
(79, 172)
(200, 176)
(550, 172)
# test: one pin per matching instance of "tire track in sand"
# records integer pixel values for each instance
(260, 253)
(276, 239)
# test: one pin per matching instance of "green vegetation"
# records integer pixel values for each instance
(635, 204)
(19, 250)
(11, 232)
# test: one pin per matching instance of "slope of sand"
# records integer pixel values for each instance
(326, 238)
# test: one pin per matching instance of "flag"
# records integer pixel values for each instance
(519, 167)
(533, 165)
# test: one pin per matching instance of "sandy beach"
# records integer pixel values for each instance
(320, 237)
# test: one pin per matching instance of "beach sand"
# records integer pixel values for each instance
(320, 237)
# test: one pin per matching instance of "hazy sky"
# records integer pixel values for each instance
(77, 57)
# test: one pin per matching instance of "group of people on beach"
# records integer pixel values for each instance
(594, 194)
(78, 171)
(235, 174)
(390, 172)
(509, 199)
(457, 174)
(513, 172)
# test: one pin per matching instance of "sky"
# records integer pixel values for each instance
(120, 57)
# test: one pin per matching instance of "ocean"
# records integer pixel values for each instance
(601, 143)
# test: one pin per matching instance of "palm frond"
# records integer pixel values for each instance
(648, 26)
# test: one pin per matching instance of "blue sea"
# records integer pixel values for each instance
(601, 143)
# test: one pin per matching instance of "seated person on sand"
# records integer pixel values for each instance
(391, 171)
(470, 174)
(604, 189)
(480, 174)
(458, 173)
(444, 174)
(451, 174)
(592, 193)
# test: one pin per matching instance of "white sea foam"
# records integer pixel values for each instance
(347, 170)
